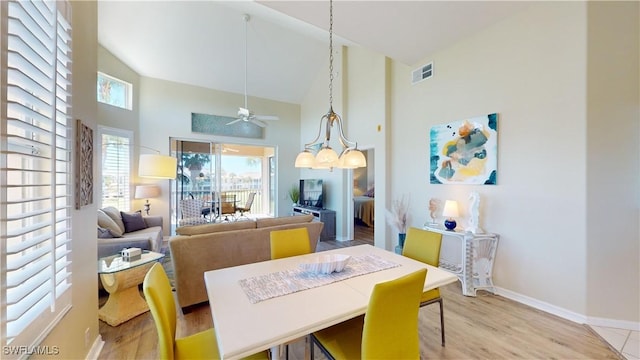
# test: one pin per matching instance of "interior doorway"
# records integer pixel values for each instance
(211, 171)
(364, 199)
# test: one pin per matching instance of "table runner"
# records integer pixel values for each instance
(264, 287)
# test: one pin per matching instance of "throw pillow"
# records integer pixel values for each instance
(105, 221)
(133, 222)
(104, 233)
(370, 193)
(115, 215)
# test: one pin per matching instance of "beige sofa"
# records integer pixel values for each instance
(200, 248)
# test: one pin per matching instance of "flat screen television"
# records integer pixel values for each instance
(311, 193)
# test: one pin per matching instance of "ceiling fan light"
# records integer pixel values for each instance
(305, 159)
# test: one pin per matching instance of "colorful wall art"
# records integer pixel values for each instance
(465, 152)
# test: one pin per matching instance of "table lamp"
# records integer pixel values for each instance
(450, 212)
(146, 192)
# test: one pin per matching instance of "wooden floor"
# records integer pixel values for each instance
(482, 327)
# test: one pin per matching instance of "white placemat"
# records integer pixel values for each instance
(263, 287)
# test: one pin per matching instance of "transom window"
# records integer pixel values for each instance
(115, 92)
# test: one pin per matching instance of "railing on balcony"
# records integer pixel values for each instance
(241, 196)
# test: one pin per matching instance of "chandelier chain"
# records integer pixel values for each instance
(330, 53)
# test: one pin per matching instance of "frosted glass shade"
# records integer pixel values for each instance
(326, 157)
(352, 159)
(157, 166)
(305, 159)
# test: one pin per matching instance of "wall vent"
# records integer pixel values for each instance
(422, 73)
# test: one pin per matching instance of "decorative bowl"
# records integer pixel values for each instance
(326, 264)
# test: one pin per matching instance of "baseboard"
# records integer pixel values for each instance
(567, 314)
(96, 348)
(541, 305)
(611, 323)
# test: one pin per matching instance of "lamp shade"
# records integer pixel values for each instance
(305, 159)
(326, 158)
(157, 166)
(450, 209)
(353, 159)
(147, 191)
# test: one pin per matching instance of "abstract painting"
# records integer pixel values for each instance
(465, 152)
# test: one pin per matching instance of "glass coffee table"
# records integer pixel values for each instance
(121, 279)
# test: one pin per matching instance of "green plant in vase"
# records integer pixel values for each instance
(294, 194)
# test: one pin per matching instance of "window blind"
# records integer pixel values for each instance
(115, 153)
(35, 164)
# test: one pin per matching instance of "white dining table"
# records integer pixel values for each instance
(243, 328)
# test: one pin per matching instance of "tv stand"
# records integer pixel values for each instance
(328, 217)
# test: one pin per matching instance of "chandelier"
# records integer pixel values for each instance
(327, 158)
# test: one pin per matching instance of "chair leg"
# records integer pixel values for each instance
(440, 301)
(313, 342)
(442, 320)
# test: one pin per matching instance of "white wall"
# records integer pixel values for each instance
(165, 111)
(368, 123)
(556, 251)
(530, 69)
(115, 117)
(613, 162)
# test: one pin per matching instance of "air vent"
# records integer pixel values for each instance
(422, 73)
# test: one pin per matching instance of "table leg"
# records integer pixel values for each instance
(467, 267)
(124, 301)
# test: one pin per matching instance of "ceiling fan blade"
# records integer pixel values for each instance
(267, 117)
(234, 121)
(258, 122)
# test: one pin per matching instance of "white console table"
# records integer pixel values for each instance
(474, 265)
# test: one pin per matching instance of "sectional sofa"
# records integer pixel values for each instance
(200, 248)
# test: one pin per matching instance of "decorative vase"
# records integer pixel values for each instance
(450, 224)
(401, 238)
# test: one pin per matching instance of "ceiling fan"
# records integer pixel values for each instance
(244, 114)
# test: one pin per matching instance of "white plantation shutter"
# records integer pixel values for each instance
(35, 167)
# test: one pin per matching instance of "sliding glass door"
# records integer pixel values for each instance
(210, 171)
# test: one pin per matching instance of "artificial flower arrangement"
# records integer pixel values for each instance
(398, 216)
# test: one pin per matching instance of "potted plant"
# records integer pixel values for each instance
(294, 193)
(398, 217)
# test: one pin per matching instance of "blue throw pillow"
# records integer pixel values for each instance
(133, 222)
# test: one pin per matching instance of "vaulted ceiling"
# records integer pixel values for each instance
(202, 43)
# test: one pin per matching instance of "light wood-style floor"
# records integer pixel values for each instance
(484, 327)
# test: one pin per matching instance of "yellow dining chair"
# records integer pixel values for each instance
(286, 243)
(289, 242)
(202, 345)
(424, 246)
(388, 330)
